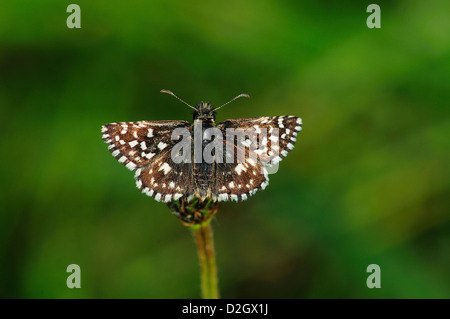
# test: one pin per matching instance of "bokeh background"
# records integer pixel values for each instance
(368, 181)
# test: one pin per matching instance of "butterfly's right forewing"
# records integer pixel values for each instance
(137, 144)
(265, 142)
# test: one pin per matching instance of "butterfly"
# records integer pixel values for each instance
(148, 148)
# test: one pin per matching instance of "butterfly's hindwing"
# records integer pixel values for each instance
(237, 179)
(165, 180)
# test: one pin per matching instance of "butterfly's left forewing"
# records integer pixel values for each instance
(145, 147)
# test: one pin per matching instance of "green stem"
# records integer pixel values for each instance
(208, 270)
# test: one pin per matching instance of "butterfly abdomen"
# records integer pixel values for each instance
(203, 177)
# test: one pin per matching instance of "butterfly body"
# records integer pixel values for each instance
(149, 149)
(203, 173)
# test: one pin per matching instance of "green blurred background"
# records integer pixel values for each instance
(368, 181)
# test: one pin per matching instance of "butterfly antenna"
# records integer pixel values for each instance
(240, 95)
(169, 92)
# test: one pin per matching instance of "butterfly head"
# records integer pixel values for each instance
(204, 112)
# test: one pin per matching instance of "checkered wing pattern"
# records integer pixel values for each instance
(269, 139)
(145, 147)
(265, 142)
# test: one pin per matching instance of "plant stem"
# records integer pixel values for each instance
(208, 270)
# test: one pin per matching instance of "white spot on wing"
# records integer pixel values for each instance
(264, 141)
(162, 145)
(259, 152)
(149, 155)
(133, 143)
(276, 160)
(138, 172)
(239, 168)
(251, 161)
(177, 196)
(165, 167)
(131, 166)
(247, 143)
